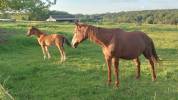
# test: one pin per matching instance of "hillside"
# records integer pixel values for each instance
(167, 16)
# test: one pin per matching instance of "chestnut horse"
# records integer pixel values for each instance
(117, 44)
(47, 40)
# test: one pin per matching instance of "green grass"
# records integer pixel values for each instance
(26, 76)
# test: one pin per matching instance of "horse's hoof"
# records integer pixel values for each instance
(117, 84)
(153, 79)
(61, 61)
(116, 87)
(137, 77)
(109, 83)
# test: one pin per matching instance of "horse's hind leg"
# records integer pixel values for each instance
(63, 53)
(137, 63)
(60, 52)
(149, 57)
(152, 69)
(61, 49)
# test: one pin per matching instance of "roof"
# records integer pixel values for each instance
(62, 18)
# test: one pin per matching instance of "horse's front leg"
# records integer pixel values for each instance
(46, 49)
(44, 52)
(116, 71)
(108, 61)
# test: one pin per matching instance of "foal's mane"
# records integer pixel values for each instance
(36, 29)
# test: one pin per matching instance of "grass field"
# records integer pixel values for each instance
(26, 76)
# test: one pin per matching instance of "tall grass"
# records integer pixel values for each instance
(83, 76)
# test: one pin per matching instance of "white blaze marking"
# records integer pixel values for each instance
(74, 39)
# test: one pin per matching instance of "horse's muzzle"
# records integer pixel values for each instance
(75, 45)
(28, 35)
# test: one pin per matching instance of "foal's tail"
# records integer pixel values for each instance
(66, 41)
(156, 58)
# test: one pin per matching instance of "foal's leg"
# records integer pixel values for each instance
(108, 61)
(137, 63)
(116, 71)
(44, 52)
(152, 69)
(46, 49)
(62, 56)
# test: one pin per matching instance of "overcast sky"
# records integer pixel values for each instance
(103, 6)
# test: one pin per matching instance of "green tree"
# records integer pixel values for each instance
(3, 4)
(150, 20)
(138, 20)
(37, 9)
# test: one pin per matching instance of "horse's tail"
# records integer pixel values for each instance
(156, 58)
(66, 41)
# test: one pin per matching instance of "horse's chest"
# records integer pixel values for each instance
(109, 51)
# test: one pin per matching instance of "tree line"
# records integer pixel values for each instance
(166, 16)
(39, 10)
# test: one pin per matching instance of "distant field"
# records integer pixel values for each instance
(26, 76)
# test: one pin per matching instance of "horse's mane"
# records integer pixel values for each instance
(36, 29)
(92, 32)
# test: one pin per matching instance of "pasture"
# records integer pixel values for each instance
(26, 76)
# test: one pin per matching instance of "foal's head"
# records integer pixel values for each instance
(32, 31)
(80, 34)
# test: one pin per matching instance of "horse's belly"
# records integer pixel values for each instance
(49, 42)
(128, 57)
(129, 54)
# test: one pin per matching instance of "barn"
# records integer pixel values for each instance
(62, 18)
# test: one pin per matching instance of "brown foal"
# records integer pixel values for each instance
(117, 44)
(47, 40)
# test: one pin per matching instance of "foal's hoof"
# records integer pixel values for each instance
(44, 57)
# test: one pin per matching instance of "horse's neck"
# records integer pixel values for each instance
(99, 37)
(40, 34)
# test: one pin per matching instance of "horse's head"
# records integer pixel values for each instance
(31, 31)
(80, 34)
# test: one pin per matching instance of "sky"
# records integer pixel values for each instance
(104, 6)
